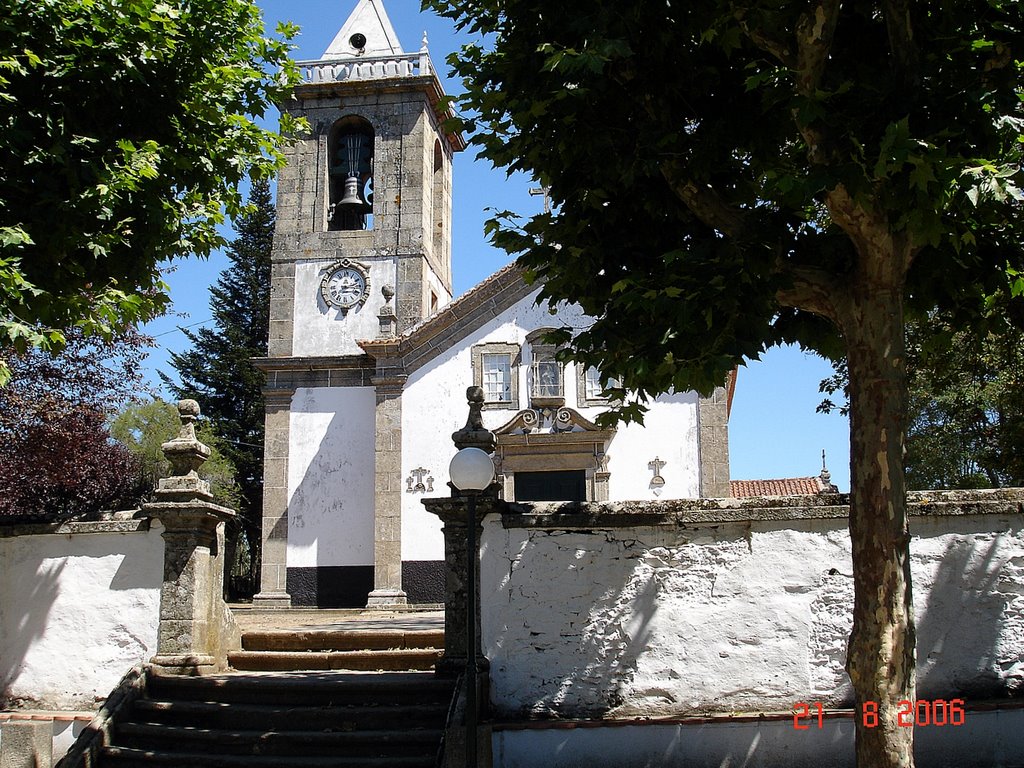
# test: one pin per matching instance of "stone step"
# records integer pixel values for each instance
(126, 757)
(341, 639)
(368, 716)
(394, 659)
(406, 742)
(304, 688)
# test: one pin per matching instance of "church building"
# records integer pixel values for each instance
(370, 354)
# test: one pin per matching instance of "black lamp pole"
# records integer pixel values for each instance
(471, 707)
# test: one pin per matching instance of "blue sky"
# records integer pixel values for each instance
(774, 430)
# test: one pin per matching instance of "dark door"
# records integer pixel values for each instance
(567, 485)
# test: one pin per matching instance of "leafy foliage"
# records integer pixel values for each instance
(125, 131)
(966, 414)
(729, 170)
(218, 370)
(56, 457)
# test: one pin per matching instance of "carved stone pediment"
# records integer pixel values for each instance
(547, 421)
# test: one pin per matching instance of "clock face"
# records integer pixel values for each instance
(344, 287)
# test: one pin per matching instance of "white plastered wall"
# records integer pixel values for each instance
(77, 611)
(735, 617)
(323, 330)
(330, 477)
(434, 406)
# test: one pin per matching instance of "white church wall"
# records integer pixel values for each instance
(434, 406)
(669, 434)
(77, 610)
(670, 620)
(319, 329)
(330, 477)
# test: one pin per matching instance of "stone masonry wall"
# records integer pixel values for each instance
(687, 607)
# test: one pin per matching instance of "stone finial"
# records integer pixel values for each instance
(186, 454)
(387, 317)
(423, 45)
(474, 434)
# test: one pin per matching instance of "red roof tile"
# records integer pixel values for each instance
(787, 486)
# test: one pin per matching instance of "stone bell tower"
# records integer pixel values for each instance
(364, 204)
(362, 250)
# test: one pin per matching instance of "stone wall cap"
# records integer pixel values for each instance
(682, 512)
(78, 528)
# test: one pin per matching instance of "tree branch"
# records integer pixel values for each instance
(902, 46)
(814, 32)
(705, 204)
(884, 256)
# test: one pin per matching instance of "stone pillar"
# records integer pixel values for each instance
(193, 615)
(387, 502)
(454, 515)
(713, 424)
(26, 744)
(274, 560)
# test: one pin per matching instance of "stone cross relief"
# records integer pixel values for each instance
(657, 482)
(414, 483)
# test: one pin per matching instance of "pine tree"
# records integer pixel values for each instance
(218, 371)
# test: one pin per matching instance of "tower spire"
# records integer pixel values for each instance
(367, 33)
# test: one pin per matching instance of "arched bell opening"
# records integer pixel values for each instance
(351, 175)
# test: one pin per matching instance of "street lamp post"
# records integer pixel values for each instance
(471, 471)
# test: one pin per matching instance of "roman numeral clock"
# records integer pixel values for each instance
(345, 285)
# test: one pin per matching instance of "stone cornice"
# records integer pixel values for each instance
(685, 512)
(454, 322)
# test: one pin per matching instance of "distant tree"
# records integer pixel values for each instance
(57, 460)
(218, 371)
(125, 131)
(145, 426)
(966, 405)
(730, 175)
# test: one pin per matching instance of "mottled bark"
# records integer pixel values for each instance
(881, 660)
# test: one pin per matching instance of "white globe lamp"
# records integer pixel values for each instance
(471, 470)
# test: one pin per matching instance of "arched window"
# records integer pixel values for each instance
(351, 175)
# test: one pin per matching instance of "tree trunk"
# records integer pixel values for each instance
(881, 654)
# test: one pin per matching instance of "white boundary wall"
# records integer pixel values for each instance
(592, 616)
(78, 607)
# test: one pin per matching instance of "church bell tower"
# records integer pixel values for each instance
(364, 204)
(362, 251)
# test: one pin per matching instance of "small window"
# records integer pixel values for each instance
(546, 380)
(496, 371)
(497, 378)
(547, 374)
(590, 387)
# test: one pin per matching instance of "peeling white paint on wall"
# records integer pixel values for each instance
(660, 621)
(330, 477)
(76, 611)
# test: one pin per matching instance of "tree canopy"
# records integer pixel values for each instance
(125, 131)
(57, 460)
(731, 175)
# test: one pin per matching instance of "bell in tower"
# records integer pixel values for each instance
(351, 175)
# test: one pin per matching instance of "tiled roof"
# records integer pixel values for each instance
(787, 486)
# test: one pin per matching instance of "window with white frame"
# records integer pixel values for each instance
(590, 386)
(496, 371)
(497, 377)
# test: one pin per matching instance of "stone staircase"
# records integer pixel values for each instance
(350, 649)
(301, 702)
